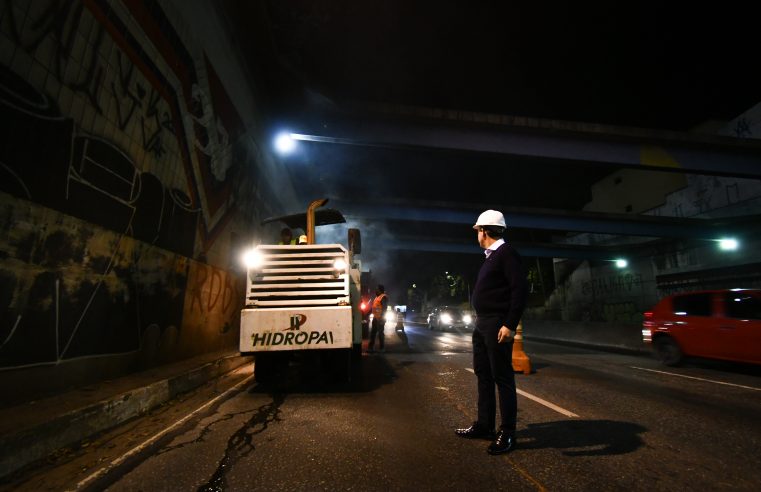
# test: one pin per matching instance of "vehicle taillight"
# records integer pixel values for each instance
(363, 306)
(648, 324)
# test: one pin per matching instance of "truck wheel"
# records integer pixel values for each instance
(336, 364)
(355, 372)
(667, 351)
(264, 368)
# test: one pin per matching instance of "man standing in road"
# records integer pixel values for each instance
(380, 303)
(499, 298)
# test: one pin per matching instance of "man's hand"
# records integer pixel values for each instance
(505, 335)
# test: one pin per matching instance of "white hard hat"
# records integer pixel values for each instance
(490, 218)
(303, 239)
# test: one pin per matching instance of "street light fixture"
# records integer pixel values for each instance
(284, 143)
(728, 244)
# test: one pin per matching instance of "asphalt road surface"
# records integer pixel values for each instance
(587, 420)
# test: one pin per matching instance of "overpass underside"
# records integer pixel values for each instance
(546, 141)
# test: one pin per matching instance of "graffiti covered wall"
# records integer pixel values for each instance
(121, 164)
(597, 291)
(600, 292)
(72, 290)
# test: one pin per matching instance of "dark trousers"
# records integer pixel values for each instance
(378, 325)
(493, 365)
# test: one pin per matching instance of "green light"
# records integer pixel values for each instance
(728, 244)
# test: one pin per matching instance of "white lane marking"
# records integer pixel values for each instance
(546, 403)
(116, 462)
(699, 379)
(446, 339)
(539, 400)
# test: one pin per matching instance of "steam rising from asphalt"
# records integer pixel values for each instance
(374, 257)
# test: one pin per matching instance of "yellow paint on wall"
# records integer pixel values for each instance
(650, 155)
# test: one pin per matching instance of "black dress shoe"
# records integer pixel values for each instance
(475, 431)
(504, 443)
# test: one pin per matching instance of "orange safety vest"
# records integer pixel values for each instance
(378, 306)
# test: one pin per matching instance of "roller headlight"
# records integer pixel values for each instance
(252, 259)
(339, 264)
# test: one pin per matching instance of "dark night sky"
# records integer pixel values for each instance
(639, 65)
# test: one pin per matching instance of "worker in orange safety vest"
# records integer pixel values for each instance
(380, 303)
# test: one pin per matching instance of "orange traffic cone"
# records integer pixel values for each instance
(521, 362)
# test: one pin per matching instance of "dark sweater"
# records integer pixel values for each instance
(501, 288)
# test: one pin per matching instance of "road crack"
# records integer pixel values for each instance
(241, 442)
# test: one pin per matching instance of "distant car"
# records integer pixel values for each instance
(448, 317)
(716, 324)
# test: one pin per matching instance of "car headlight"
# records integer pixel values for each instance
(467, 319)
(446, 318)
(339, 264)
(252, 259)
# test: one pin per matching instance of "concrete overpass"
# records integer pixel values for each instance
(441, 129)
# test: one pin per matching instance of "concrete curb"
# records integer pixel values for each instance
(599, 335)
(619, 349)
(34, 443)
